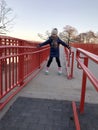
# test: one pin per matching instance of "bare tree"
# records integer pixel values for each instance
(81, 38)
(96, 39)
(87, 37)
(44, 36)
(90, 37)
(69, 33)
(6, 18)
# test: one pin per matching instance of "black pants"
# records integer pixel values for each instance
(57, 60)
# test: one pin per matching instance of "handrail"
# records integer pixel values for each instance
(91, 47)
(69, 63)
(86, 73)
(90, 55)
(17, 46)
(77, 124)
(19, 62)
(90, 75)
(26, 53)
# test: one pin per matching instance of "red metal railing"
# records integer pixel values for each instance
(19, 60)
(91, 47)
(69, 63)
(83, 64)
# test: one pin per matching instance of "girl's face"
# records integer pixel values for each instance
(54, 35)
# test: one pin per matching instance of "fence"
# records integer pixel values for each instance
(91, 47)
(19, 59)
(83, 64)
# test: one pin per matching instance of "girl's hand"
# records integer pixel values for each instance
(38, 46)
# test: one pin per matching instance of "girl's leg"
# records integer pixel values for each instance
(59, 66)
(49, 61)
(58, 61)
(48, 64)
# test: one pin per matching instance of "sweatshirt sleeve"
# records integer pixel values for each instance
(64, 44)
(44, 43)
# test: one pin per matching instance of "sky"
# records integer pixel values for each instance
(38, 16)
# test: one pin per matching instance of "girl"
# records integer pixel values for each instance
(54, 41)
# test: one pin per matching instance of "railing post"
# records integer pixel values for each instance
(21, 66)
(0, 71)
(72, 64)
(39, 54)
(0, 75)
(84, 79)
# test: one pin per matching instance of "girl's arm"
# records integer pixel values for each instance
(64, 44)
(44, 43)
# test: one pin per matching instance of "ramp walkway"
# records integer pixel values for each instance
(52, 87)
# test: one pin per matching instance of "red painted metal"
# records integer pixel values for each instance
(69, 63)
(84, 79)
(72, 65)
(19, 59)
(77, 124)
(86, 73)
(3, 104)
(91, 47)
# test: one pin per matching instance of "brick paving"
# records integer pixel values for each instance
(89, 119)
(38, 114)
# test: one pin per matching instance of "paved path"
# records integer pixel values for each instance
(53, 86)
